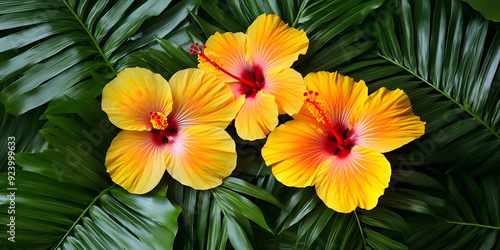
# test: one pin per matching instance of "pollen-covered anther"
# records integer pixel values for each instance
(317, 108)
(209, 59)
(158, 120)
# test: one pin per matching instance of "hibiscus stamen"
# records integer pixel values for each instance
(158, 120)
(319, 110)
(213, 60)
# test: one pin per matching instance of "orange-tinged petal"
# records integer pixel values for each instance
(287, 86)
(295, 150)
(272, 43)
(136, 160)
(200, 98)
(201, 156)
(341, 95)
(134, 93)
(356, 180)
(229, 49)
(257, 117)
(385, 121)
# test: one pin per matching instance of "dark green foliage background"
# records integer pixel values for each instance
(57, 55)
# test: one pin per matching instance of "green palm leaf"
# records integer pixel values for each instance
(462, 212)
(211, 218)
(450, 58)
(25, 130)
(55, 48)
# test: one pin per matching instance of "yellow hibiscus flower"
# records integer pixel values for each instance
(257, 67)
(336, 141)
(176, 126)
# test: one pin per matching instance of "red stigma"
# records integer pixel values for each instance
(311, 99)
(195, 49)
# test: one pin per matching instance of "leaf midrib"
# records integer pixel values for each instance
(473, 224)
(83, 214)
(492, 131)
(91, 37)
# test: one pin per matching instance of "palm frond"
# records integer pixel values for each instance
(450, 56)
(462, 212)
(55, 48)
(211, 218)
(25, 131)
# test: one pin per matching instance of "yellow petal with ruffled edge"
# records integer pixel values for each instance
(295, 150)
(287, 86)
(229, 50)
(272, 43)
(257, 117)
(200, 98)
(357, 180)
(136, 160)
(134, 93)
(385, 121)
(201, 156)
(341, 95)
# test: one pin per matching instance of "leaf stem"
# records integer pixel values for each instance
(83, 213)
(218, 201)
(360, 229)
(473, 224)
(446, 95)
(300, 13)
(91, 36)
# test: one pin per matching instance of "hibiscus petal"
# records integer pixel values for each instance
(238, 95)
(257, 117)
(200, 98)
(272, 43)
(295, 150)
(229, 49)
(385, 121)
(356, 180)
(136, 160)
(287, 86)
(134, 93)
(201, 156)
(341, 95)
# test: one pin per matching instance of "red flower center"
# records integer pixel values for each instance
(252, 79)
(339, 141)
(164, 129)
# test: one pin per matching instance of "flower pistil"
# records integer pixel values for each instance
(212, 59)
(320, 111)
